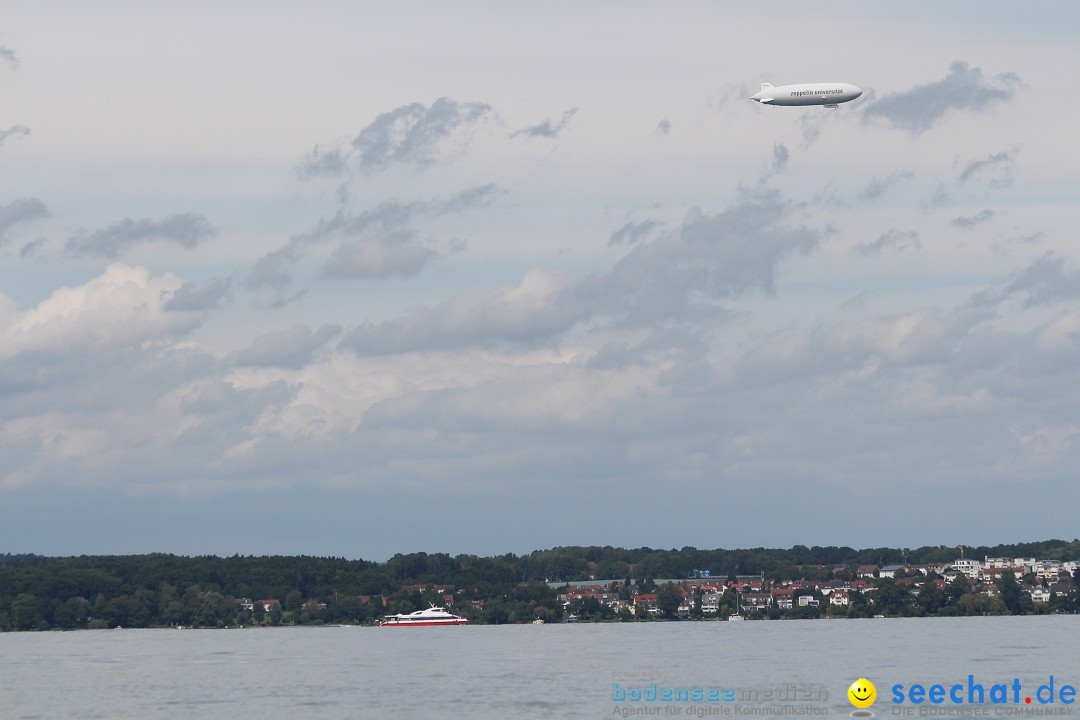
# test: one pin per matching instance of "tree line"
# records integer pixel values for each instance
(159, 590)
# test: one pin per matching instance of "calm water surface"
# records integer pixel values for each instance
(523, 671)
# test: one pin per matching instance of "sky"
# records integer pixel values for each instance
(353, 279)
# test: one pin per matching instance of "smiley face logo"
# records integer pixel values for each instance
(862, 693)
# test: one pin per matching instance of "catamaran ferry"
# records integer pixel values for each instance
(432, 616)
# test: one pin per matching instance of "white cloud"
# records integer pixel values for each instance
(124, 306)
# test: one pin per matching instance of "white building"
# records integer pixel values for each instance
(969, 567)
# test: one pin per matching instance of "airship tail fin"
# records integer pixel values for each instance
(766, 86)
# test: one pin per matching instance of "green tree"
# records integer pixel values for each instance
(890, 597)
(26, 613)
(931, 598)
(958, 588)
(1010, 593)
(668, 598)
(72, 613)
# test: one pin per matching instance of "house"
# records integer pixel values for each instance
(993, 574)
(833, 586)
(646, 602)
(838, 597)
(950, 575)
(268, 605)
(246, 604)
(933, 568)
(1039, 594)
(969, 567)
(862, 586)
(1058, 588)
(755, 585)
(1049, 570)
(710, 603)
(754, 601)
(808, 601)
(783, 597)
(1027, 563)
(890, 571)
(866, 571)
(314, 605)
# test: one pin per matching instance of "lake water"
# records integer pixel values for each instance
(529, 671)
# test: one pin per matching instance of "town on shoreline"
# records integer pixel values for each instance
(576, 584)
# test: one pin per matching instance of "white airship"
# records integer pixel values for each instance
(828, 94)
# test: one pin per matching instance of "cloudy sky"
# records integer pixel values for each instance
(354, 279)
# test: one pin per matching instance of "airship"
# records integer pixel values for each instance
(829, 95)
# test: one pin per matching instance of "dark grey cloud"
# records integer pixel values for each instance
(941, 196)
(547, 129)
(1030, 239)
(962, 89)
(860, 301)
(970, 221)
(8, 55)
(897, 240)
(320, 162)
(734, 93)
(1047, 280)
(811, 124)
(781, 155)
(273, 270)
(480, 196)
(18, 212)
(15, 131)
(682, 276)
(184, 229)
(418, 135)
(876, 187)
(378, 243)
(192, 298)
(31, 248)
(710, 258)
(633, 232)
(413, 134)
(997, 169)
(293, 347)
